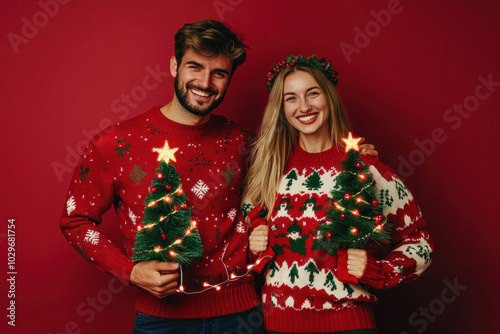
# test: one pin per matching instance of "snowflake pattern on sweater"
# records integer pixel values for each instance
(303, 279)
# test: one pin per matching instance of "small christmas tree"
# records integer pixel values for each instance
(355, 215)
(167, 232)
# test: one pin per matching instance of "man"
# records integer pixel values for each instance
(208, 152)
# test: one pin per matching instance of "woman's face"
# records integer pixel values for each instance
(305, 105)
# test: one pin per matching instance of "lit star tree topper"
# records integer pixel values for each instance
(167, 231)
(355, 215)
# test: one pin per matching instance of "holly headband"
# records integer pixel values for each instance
(324, 66)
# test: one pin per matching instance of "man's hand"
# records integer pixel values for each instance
(257, 240)
(367, 149)
(356, 262)
(157, 278)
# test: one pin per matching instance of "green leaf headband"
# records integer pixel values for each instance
(312, 61)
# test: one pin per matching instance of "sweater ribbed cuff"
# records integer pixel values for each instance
(122, 268)
(374, 275)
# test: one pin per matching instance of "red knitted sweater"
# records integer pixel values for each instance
(117, 169)
(302, 293)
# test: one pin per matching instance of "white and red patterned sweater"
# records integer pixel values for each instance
(302, 293)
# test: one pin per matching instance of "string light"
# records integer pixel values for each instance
(230, 276)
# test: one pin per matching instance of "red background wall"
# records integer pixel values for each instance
(67, 71)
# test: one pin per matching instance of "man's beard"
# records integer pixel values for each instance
(197, 109)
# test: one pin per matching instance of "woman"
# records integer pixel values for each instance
(292, 172)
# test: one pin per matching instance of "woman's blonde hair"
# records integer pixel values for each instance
(276, 139)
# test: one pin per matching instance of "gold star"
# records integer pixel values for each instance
(166, 153)
(351, 143)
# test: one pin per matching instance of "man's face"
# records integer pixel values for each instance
(201, 82)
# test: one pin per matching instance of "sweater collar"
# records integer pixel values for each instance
(333, 153)
(160, 120)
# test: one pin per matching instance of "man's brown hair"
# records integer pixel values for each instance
(210, 38)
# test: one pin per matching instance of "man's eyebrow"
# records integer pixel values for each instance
(192, 62)
(221, 70)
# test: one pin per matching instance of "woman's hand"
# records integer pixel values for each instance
(258, 239)
(356, 262)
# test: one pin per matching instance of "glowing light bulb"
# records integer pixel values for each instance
(354, 231)
(233, 276)
(193, 223)
(359, 199)
(140, 228)
(250, 266)
(149, 226)
(362, 177)
(181, 288)
(157, 249)
(177, 241)
(205, 284)
(179, 191)
(152, 203)
(217, 287)
(258, 261)
(172, 253)
(168, 199)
